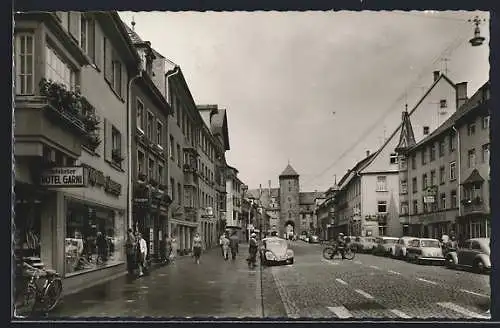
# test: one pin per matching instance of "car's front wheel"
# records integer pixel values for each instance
(478, 266)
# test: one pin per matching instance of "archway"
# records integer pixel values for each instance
(289, 229)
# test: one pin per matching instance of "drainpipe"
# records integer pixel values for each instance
(129, 146)
(458, 170)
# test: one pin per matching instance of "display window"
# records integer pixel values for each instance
(94, 237)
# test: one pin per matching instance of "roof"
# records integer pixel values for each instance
(133, 36)
(289, 172)
(359, 165)
(473, 178)
(309, 197)
(406, 138)
(466, 108)
(218, 125)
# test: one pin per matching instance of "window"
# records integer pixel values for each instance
(159, 133)
(160, 173)
(426, 130)
(171, 148)
(151, 168)
(57, 70)
(179, 155)
(443, 201)
(404, 187)
(486, 122)
(140, 114)
(453, 168)
(453, 199)
(486, 153)
(178, 108)
(451, 140)
(382, 206)
(149, 127)
(393, 159)
(442, 175)
(424, 155)
(172, 189)
(471, 158)
(404, 208)
(116, 147)
(413, 161)
(424, 181)
(433, 177)
(179, 193)
(441, 148)
(117, 77)
(88, 222)
(415, 207)
(25, 64)
(381, 183)
(471, 129)
(443, 103)
(87, 37)
(433, 151)
(140, 162)
(414, 185)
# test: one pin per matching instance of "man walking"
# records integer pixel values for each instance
(143, 253)
(130, 251)
(234, 243)
(252, 250)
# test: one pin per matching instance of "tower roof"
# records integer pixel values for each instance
(289, 172)
(406, 137)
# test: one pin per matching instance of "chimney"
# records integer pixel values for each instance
(461, 94)
(436, 75)
(367, 153)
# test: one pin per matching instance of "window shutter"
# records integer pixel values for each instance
(108, 58)
(108, 142)
(75, 25)
(98, 43)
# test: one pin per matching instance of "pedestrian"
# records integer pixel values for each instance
(221, 244)
(252, 250)
(130, 251)
(143, 253)
(234, 244)
(197, 245)
(102, 248)
(173, 246)
(225, 246)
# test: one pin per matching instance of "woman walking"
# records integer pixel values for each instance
(173, 246)
(197, 245)
(225, 246)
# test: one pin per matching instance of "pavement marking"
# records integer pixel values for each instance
(365, 294)
(394, 272)
(330, 262)
(341, 281)
(340, 311)
(291, 309)
(400, 314)
(474, 293)
(358, 262)
(427, 281)
(462, 310)
(374, 267)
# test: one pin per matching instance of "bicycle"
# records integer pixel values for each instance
(40, 296)
(330, 251)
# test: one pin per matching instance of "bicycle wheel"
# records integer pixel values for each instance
(27, 304)
(350, 253)
(328, 253)
(52, 294)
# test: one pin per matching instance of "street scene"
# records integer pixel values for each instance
(297, 165)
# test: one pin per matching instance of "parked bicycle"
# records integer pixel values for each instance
(41, 293)
(330, 251)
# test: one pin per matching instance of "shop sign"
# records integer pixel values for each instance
(151, 237)
(63, 177)
(97, 178)
(430, 194)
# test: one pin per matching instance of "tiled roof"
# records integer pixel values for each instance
(289, 172)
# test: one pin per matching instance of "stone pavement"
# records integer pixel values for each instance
(213, 288)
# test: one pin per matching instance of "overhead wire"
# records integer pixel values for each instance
(451, 47)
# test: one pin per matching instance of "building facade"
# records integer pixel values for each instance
(71, 118)
(149, 161)
(234, 192)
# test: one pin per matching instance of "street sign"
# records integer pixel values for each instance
(63, 177)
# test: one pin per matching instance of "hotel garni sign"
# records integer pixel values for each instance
(79, 176)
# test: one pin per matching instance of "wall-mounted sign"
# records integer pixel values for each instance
(151, 236)
(63, 177)
(97, 178)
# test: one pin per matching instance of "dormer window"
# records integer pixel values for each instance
(393, 159)
(443, 103)
(426, 130)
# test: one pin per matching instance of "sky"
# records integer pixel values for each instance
(316, 89)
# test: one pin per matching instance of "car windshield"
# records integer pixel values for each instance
(429, 243)
(276, 243)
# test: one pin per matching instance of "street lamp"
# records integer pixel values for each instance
(477, 40)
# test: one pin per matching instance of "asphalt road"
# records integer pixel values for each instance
(371, 287)
(367, 287)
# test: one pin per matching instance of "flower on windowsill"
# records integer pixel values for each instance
(117, 156)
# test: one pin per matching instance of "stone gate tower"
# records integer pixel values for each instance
(289, 200)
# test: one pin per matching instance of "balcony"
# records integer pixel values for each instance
(474, 206)
(57, 117)
(190, 176)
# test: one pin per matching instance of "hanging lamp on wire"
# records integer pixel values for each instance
(477, 40)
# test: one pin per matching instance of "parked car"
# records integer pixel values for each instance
(384, 246)
(275, 250)
(424, 250)
(313, 239)
(304, 237)
(473, 254)
(400, 246)
(364, 244)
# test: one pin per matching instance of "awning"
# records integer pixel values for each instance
(474, 178)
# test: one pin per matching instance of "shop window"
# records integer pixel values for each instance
(94, 237)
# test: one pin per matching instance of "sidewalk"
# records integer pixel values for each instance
(213, 288)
